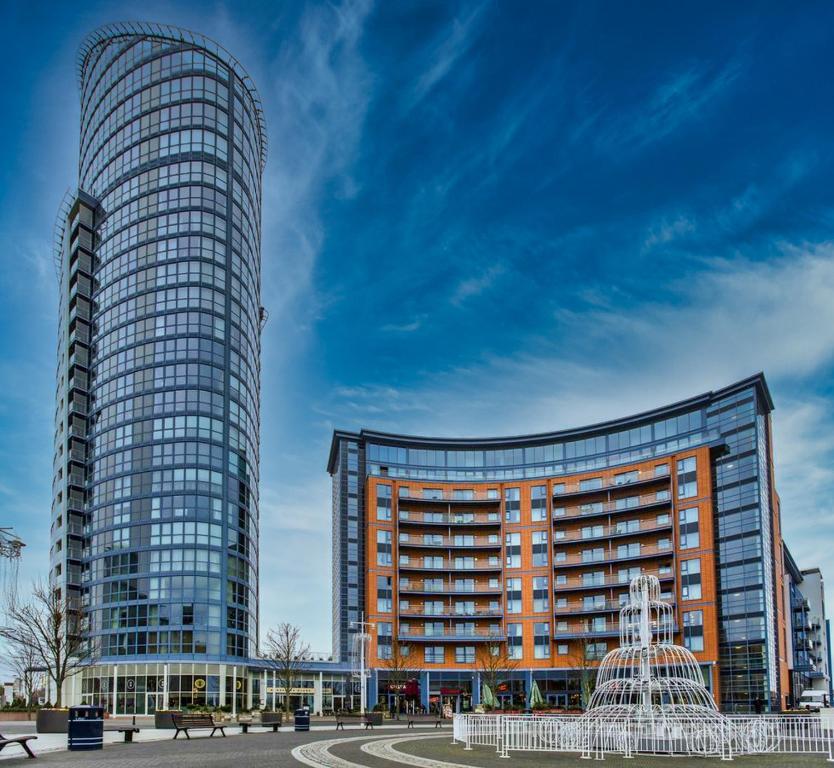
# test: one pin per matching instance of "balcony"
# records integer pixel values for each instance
(611, 532)
(634, 480)
(604, 606)
(453, 634)
(611, 555)
(449, 588)
(644, 502)
(451, 542)
(611, 580)
(478, 564)
(580, 632)
(445, 496)
(479, 613)
(446, 519)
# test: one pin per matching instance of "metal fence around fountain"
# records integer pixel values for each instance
(733, 736)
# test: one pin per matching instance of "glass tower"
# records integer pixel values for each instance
(155, 489)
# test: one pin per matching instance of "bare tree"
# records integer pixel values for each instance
(399, 669)
(288, 656)
(584, 664)
(24, 664)
(494, 662)
(48, 628)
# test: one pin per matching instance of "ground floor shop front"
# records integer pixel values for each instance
(142, 688)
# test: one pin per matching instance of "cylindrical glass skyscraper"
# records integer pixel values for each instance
(155, 513)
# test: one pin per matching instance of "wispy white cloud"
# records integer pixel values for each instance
(681, 99)
(445, 52)
(410, 327)
(477, 284)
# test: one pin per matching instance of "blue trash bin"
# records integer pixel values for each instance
(302, 719)
(85, 728)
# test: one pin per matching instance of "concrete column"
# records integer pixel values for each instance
(234, 690)
(372, 689)
(115, 687)
(222, 700)
(164, 687)
(263, 690)
(424, 689)
(318, 685)
(249, 680)
(273, 689)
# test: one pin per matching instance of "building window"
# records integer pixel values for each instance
(594, 531)
(541, 594)
(691, 579)
(512, 505)
(433, 493)
(383, 547)
(541, 640)
(514, 595)
(383, 502)
(590, 484)
(538, 503)
(593, 555)
(688, 526)
(384, 638)
(384, 594)
(562, 649)
(661, 470)
(558, 488)
(687, 478)
(461, 494)
(514, 641)
(512, 542)
(623, 478)
(434, 654)
(465, 654)
(693, 630)
(540, 547)
(596, 651)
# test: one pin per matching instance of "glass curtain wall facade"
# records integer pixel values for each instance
(155, 505)
(685, 489)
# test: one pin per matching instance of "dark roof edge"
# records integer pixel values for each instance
(757, 380)
(793, 568)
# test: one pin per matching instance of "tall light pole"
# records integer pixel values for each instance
(362, 637)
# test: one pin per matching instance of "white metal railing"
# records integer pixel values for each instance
(723, 736)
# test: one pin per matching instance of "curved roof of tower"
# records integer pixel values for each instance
(104, 34)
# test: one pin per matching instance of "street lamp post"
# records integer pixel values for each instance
(362, 637)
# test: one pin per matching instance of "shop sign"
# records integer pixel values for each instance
(293, 691)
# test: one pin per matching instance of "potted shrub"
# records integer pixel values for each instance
(52, 720)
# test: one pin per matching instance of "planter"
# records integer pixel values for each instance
(9, 715)
(163, 718)
(52, 721)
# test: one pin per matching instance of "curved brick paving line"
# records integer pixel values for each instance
(317, 754)
(384, 748)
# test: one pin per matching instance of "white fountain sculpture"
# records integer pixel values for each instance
(652, 686)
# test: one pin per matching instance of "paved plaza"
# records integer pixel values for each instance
(326, 748)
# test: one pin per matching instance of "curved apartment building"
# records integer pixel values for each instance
(525, 546)
(155, 511)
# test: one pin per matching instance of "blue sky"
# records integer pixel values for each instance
(479, 218)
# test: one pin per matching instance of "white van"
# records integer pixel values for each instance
(813, 699)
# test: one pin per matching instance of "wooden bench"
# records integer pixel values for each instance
(128, 731)
(268, 720)
(436, 719)
(20, 740)
(365, 720)
(185, 723)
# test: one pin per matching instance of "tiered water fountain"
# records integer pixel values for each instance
(650, 690)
